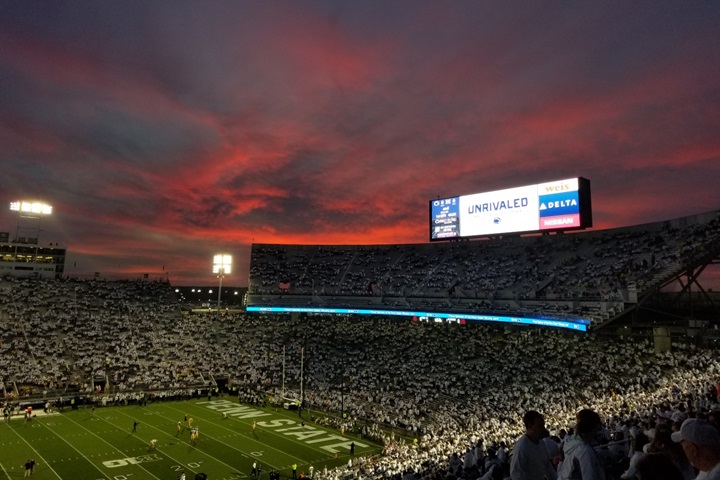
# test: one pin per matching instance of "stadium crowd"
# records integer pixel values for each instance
(455, 395)
(588, 274)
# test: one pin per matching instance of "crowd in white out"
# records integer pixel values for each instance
(449, 386)
(453, 385)
(588, 274)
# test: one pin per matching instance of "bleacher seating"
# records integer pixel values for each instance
(589, 275)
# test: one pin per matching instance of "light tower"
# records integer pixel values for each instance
(23, 256)
(222, 265)
(29, 216)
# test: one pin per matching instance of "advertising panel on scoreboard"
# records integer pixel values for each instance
(557, 205)
(503, 211)
(445, 218)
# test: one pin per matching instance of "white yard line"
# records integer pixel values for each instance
(38, 453)
(265, 445)
(233, 468)
(113, 446)
(3, 469)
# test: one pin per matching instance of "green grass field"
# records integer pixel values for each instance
(82, 445)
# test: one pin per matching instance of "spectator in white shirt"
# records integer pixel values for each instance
(530, 459)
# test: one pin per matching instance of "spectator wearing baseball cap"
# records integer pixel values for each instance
(701, 442)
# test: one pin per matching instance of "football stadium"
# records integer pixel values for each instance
(429, 360)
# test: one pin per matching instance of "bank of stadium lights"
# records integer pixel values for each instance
(36, 208)
(222, 265)
(30, 214)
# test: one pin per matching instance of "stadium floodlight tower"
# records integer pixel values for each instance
(222, 265)
(29, 215)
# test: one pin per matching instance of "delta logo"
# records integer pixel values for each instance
(567, 203)
(559, 204)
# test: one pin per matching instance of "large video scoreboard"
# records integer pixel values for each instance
(550, 206)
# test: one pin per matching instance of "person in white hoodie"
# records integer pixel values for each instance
(581, 461)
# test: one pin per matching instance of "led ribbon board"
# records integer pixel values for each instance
(577, 324)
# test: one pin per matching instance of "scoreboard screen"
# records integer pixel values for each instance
(550, 206)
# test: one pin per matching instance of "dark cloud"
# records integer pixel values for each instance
(210, 212)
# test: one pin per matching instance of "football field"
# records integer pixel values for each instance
(86, 445)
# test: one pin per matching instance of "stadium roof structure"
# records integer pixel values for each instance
(594, 278)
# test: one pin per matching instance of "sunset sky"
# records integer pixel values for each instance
(163, 132)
